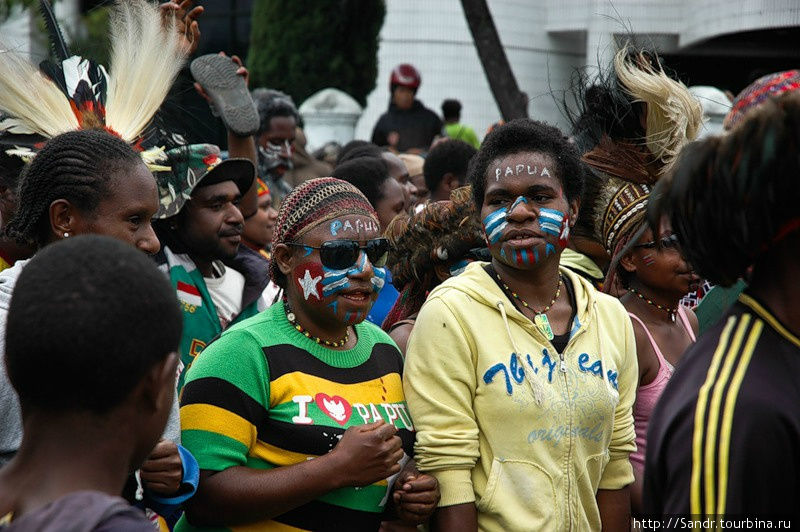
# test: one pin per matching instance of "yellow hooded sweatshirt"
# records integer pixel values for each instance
(503, 420)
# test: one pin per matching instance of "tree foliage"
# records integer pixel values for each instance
(303, 46)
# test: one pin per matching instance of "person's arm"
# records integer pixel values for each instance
(615, 509)
(400, 336)
(241, 147)
(379, 133)
(459, 517)
(439, 381)
(241, 495)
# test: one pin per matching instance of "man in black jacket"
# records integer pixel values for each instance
(408, 126)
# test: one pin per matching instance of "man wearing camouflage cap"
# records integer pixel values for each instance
(217, 281)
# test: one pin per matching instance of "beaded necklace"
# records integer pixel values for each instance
(293, 320)
(670, 311)
(540, 318)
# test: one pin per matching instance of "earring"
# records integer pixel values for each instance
(66, 235)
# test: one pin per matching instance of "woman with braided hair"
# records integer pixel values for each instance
(428, 247)
(297, 415)
(723, 437)
(91, 182)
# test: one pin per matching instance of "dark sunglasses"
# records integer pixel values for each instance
(668, 242)
(341, 254)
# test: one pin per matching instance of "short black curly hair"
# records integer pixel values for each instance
(449, 156)
(526, 135)
(271, 103)
(367, 174)
(89, 317)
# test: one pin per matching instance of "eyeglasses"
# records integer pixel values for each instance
(341, 254)
(667, 242)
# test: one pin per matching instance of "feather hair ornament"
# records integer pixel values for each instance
(77, 93)
(674, 116)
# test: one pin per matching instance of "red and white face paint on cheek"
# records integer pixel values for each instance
(308, 278)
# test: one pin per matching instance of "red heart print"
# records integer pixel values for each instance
(337, 408)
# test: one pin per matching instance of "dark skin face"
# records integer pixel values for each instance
(661, 274)
(125, 213)
(258, 228)
(519, 192)
(391, 204)
(211, 225)
(280, 136)
(398, 170)
(328, 312)
(403, 97)
(423, 193)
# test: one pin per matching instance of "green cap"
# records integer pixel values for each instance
(198, 165)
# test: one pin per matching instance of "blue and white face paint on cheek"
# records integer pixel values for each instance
(552, 223)
(494, 224)
(379, 279)
(550, 220)
(334, 281)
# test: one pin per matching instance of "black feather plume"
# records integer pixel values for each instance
(57, 41)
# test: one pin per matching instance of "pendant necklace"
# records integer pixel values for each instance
(670, 311)
(540, 317)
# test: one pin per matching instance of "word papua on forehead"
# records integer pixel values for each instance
(520, 169)
(357, 226)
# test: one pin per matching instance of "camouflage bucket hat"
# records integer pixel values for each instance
(195, 163)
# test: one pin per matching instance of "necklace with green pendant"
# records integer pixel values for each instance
(540, 317)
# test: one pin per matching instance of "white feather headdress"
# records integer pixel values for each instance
(77, 93)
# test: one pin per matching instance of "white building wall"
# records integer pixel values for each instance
(545, 41)
(21, 33)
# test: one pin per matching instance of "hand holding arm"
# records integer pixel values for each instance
(239, 495)
(162, 472)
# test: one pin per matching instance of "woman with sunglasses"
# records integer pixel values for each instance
(519, 374)
(656, 277)
(297, 415)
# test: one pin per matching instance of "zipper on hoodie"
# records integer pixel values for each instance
(563, 370)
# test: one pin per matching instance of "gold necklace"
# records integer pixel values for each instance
(329, 343)
(540, 317)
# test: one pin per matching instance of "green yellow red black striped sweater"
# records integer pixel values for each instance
(263, 396)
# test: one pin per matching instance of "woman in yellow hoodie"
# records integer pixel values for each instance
(520, 375)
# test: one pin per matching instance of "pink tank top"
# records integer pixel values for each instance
(647, 395)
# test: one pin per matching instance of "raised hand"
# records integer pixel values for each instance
(185, 15)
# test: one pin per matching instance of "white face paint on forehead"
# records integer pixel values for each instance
(520, 169)
(338, 226)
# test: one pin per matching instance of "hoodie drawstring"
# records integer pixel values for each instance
(536, 387)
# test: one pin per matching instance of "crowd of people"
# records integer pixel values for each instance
(425, 330)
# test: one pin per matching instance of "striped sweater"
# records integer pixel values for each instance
(724, 439)
(263, 396)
